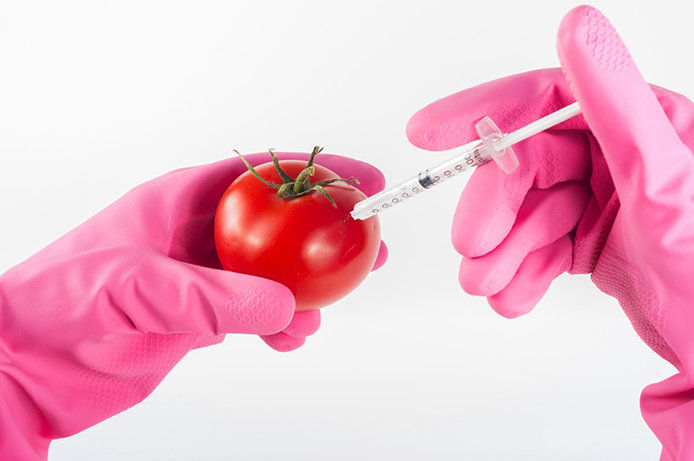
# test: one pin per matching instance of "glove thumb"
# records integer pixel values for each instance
(164, 295)
(643, 152)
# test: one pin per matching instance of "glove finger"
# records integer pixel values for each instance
(303, 324)
(491, 199)
(511, 102)
(162, 295)
(533, 278)
(215, 177)
(381, 257)
(371, 180)
(651, 167)
(545, 216)
(282, 342)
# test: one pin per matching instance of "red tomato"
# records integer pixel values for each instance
(316, 250)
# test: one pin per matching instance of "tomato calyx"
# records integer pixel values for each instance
(301, 185)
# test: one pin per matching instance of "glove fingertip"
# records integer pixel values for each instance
(533, 279)
(282, 342)
(430, 129)
(382, 256)
(304, 324)
(509, 309)
(486, 210)
(371, 179)
(264, 307)
(471, 242)
(417, 129)
(477, 279)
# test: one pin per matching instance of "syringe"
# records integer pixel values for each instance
(492, 145)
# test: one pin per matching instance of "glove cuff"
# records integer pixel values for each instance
(20, 421)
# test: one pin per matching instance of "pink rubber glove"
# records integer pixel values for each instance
(90, 325)
(610, 193)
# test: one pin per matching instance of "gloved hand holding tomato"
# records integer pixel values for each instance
(95, 321)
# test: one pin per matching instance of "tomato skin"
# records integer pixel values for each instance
(319, 252)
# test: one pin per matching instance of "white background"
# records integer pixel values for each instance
(98, 96)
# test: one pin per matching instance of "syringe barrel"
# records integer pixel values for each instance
(473, 156)
(386, 199)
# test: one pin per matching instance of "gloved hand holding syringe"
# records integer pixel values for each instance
(492, 145)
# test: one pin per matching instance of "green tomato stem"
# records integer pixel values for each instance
(285, 177)
(255, 173)
(293, 188)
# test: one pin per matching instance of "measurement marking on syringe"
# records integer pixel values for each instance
(491, 145)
